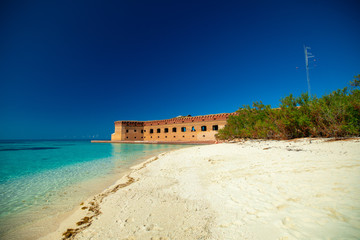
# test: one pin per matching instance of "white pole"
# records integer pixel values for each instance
(307, 69)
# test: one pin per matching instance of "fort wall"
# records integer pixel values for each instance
(180, 129)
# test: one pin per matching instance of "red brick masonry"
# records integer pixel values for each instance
(180, 129)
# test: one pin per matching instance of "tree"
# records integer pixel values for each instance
(356, 81)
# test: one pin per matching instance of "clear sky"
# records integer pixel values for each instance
(69, 69)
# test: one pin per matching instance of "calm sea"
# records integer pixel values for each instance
(43, 179)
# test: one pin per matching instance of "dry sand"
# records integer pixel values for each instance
(250, 190)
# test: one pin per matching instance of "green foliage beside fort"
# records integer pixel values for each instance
(333, 115)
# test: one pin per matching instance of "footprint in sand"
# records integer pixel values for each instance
(287, 222)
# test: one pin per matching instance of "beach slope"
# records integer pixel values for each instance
(300, 189)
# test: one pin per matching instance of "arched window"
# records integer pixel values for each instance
(158, 130)
(193, 129)
(174, 129)
(215, 127)
(203, 128)
(166, 130)
(151, 130)
(183, 129)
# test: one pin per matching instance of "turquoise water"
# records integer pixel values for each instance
(41, 174)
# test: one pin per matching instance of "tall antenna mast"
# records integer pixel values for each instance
(307, 56)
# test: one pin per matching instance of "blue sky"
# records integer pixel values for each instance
(69, 69)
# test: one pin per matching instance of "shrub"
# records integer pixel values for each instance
(334, 115)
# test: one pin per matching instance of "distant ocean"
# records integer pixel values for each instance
(39, 179)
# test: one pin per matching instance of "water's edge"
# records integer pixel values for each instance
(28, 225)
(77, 213)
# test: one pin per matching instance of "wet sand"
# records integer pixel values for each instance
(298, 189)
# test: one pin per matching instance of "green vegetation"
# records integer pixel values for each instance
(334, 115)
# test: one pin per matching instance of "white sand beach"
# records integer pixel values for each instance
(298, 189)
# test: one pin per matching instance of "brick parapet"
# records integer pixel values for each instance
(130, 123)
(212, 117)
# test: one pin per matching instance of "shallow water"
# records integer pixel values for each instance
(42, 179)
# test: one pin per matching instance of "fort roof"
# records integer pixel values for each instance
(182, 119)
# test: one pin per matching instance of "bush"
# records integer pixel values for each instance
(333, 115)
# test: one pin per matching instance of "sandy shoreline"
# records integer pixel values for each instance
(251, 190)
(40, 220)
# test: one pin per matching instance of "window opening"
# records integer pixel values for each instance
(166, 130)
(158, 130)
(183, 129)
(215, 127)
(151, 130)
(193, 129)
(203, 128)
(174, 129)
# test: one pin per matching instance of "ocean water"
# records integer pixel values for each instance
(42, 179)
